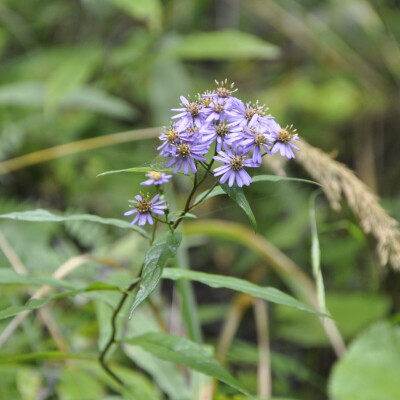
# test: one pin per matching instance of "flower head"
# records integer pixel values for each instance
(144, 207)
(185, 155)
(233, 168)
(156, 178)
(191, 112)
(283, 140)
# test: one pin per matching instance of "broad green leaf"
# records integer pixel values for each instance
(316, 255)
(34, 304)
(93, 99)
(240, 285)
(371, 368)
(149, 10)
(25, 94)
(237, 195)
(156, 257)
(46, 216)
(71, 73)
(259, 178)
(222, 45)
(183, 351)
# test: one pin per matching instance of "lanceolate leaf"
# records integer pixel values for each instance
(34, 304)
(237, 195)
(259, 178)
(156, 257)
(184, 351)
(46, 216)
(218, 281)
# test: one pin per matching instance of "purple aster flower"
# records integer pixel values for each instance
(192, 112)
(241, 114)
(171, 139)
(192, 134)
(144, 207)
(156, 178)
(233, 168)
(256, 137)
(217, 109)
(283, 139)
(185, 156)
(224, 91)
(221, 132)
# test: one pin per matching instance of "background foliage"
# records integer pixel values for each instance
(76, 70)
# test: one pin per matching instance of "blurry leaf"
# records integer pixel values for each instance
(169, 79)
(218, 281)
(183, 351)
(77, 384)
(222, 45)
(29, 383)
(34, 304)
(371, 368)
(156, 257)
(259, 178)
(352, 312)
(237, 195)
(70, 74)
(148, 10)
(166, 376)
(47, 355)
(316, 255)
(96, 100)
(9, 276)
(45, 216)
(26, 94)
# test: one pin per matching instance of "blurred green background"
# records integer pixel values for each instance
(78, 69)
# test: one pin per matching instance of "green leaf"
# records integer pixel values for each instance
(183, 351)
(222, 45)
(46, 216)
(156, 257)
(316, 255)
(9, 276)
(96, 100)
(25, 94)
(47, 355)
(218, 281)
(371, 368)
(34, 304)
(149, 10)
(259, 178)
(73, 71)
(237, 195)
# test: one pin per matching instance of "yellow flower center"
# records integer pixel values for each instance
(286, 134)
(236, 163)
(222, 130)
(193, 108)
(184, 150)
(144, 206)
(259, 138)
(155, 175)
(172, 135)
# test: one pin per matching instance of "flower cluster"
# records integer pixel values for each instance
(238, 134)
(242, 133)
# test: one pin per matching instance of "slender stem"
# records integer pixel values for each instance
(187, 205)
(203, 197)
(153, 235)
(112, 338)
